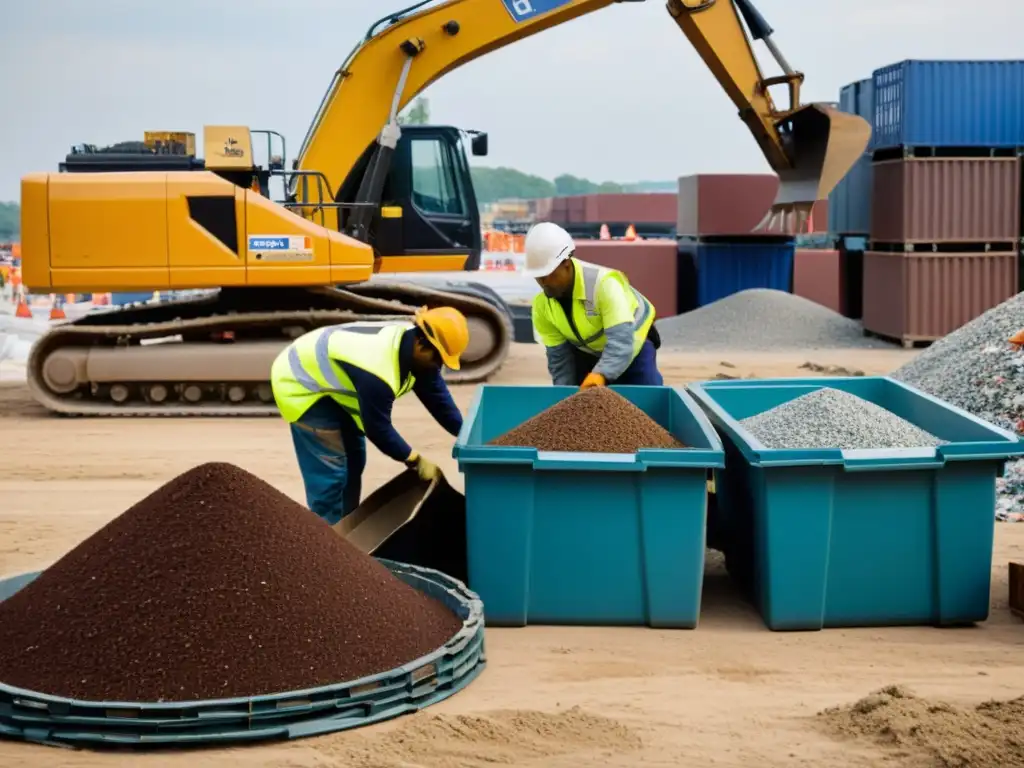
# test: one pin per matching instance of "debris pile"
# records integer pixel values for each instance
(935, 733)
(215, 585)
(977, 369)
(831, 418)
(597, 420)
(763, 320)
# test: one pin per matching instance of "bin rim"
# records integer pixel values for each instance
(711, 457)
(1003, 446)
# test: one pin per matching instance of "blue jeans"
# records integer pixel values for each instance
(643, 371)
(332, 456)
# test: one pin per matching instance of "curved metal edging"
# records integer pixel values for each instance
(59, 721)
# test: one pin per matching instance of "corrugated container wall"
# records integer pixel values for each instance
(607, 208)
(949, 103)
(650, 266)
(723, 269)
(850, 201)
(946, 200)
(724, 203)
(634, 208)
(923, 297)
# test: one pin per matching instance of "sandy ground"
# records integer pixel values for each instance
(730, 693)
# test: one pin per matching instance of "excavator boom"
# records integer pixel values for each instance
(810, 147)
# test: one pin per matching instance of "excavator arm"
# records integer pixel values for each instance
(810, 147)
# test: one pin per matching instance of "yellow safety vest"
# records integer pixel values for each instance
(588, 335)
(309, 368)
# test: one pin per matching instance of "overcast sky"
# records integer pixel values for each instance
(618, 94)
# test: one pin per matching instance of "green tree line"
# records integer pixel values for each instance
(10, 222)
(493, 184)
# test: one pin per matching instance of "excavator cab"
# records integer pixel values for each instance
(428, 218)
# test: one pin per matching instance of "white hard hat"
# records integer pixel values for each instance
(547, 246)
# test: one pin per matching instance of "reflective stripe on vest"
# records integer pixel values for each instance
(591, 277)
(296, 386)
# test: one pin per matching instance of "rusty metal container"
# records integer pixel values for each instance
(650, 265)
(817, 276)
(551, 209)
(913, 297)
(576, 209)
(938, 200)
(633, 208)
(724, 203)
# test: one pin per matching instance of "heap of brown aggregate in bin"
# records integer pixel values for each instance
(597, 420)
(215, 585)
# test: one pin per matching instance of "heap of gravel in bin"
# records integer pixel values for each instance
(977, 369)
(830, 418)
(763, 319)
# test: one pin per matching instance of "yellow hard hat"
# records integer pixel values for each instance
(447, 330)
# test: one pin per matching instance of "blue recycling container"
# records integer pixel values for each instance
(852, 538)
(728, 265)
(586, 538)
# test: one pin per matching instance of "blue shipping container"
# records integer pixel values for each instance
(586, 538)
(849, 204)
(725, 268)
(843, 538)
(949, 103)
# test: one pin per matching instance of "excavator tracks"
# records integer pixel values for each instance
(211, 355)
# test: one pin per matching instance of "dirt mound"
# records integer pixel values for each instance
(504, 737)
(935, 733)
(596, 420)
(215, 585)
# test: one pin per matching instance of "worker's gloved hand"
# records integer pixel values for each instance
(593, 380)
(426, 469)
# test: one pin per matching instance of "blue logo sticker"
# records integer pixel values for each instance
(524, 10)
(268, 243)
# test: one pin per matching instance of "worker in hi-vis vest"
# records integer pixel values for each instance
(336, 386)
(595, 327)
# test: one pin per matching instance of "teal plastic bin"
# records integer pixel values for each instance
(834, 538)
(586, 538)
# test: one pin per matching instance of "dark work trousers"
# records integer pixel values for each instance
(331, 452)
(643, 371)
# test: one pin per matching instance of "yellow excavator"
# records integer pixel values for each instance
(365, 195)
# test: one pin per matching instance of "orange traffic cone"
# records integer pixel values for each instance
(604, 234)
(56, 311)
(630, 233)
(22, 309)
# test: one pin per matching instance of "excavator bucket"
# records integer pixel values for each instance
(822, 144)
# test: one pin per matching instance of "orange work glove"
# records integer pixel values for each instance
(1018, 339)
(593, 380)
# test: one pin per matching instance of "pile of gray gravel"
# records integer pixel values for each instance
(975, 368)
(763, 319)
(831, 418)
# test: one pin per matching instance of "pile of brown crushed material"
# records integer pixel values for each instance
(596, 420)
(215, 585)
(929, 733)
